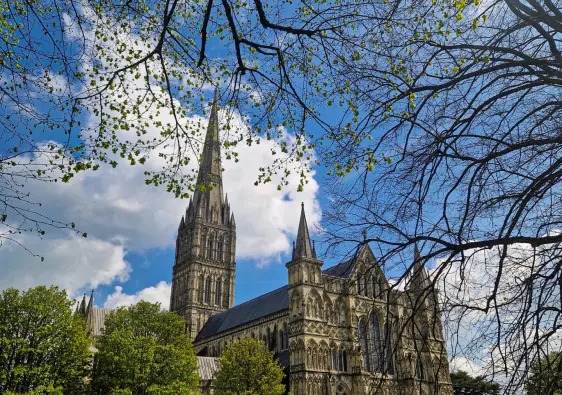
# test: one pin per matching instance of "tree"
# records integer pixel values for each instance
(546, 376)
(464, 384)
(43, 347)
(444, 114)
(247, 367)
(144, 351)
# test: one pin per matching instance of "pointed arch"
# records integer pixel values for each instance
(218, 286)
(209, 246)
(220, 248)
(201, 285)
(375, 343)
(364, 344)
(388, 348)
(207, 290)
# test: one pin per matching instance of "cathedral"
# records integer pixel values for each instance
(343, 330)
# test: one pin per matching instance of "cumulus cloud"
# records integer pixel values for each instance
(71, 262)
(157, 294)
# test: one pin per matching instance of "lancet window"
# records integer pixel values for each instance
(218, 291)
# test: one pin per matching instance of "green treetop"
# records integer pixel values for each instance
(464, 384)
(545, 376)
(43, 347)
(144, 351)
(247, 367)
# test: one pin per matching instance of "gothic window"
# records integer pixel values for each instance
(364, 285)
(340, 361)
(219, 249)
(209, 247)
(218, 292)
(358, 285)
(376, 290)
(334, 364)
(364, 344)
(375, 343)
(208, 290)
(226, 293)
(268, 341)
(388, 347)
(281, 340)
(419, 372)
(342, 313)
(201, 288)
(344, 361)
(286, 338)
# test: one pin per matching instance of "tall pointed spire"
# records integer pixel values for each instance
(210, 167)
(420, 276)
(303, 248)
(209, 194)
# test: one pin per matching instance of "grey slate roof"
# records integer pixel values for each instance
(251, 310)
(208, 366)
(341, 270)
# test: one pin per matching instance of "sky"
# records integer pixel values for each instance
(129, 252)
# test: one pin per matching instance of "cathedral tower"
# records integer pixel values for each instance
(204, 267)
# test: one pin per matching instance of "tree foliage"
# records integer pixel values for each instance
(43, 347)
(464, 384)
(546, 376)
(444, 113)
(247, 367)
(144, 351)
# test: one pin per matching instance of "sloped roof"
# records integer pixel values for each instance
(341, 270)
(251, 310)
(208, 366)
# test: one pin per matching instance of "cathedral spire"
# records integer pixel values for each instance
(420, 276)
(303, 248)
(208, 197)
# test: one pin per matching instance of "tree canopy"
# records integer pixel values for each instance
(43, 347)
(144, 351)
(247, 367)
(445, 115)
(465, 384)
(546, 376)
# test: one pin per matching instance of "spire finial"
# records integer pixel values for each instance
(303, 247)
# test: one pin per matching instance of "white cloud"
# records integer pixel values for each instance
(71, 262)
(157, 294)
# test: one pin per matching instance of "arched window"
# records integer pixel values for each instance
(388, 346)
(219, 249)
(334, 364)
(281, 340)
(268, 339)
(209, 247)
(376, 291)
(365, 285)
(208, 290)
(419, 371)
(344, 361)
(201, 288)
(226, 293)
(218, 292)
(340, 360)
(359, 282)
(375, 342)
(286, 338)
(364, 344)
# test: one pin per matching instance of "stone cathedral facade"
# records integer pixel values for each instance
(342, 330)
